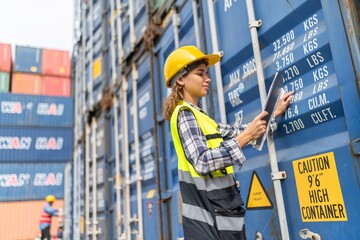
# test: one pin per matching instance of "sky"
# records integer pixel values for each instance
(37, 23)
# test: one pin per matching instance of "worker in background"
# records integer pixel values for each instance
(45, 218)
(206, 150)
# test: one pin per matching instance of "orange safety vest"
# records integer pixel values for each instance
(45, 217)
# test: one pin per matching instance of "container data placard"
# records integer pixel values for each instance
(304, 57)
(318, 188)
(299, 48)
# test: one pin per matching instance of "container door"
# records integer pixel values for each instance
(306, 42)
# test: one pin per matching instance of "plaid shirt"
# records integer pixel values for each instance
(204, 159)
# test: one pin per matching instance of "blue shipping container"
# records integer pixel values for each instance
(305, 41)
(29, 181)
(314, 44)
(316, 141)
(131, 37)
(32, 110)
(95, 17)
(28, 59)
(35, 144)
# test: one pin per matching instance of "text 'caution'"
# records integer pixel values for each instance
(318, 189)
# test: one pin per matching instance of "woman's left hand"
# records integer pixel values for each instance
(283, 103)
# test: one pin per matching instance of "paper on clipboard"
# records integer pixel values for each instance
(270, 106)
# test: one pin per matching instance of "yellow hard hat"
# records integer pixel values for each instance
(50, 198)
(177, 62)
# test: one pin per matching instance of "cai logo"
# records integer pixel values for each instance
(50, 109)
(48, 179)
(49, 143)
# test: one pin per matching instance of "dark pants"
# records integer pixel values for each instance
(234, 235)
(45, 233)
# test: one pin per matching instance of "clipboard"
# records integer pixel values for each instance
(270, 105)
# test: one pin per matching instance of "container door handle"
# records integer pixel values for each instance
(306, 233)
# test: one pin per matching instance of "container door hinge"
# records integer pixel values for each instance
(278, 175)
(256, 24)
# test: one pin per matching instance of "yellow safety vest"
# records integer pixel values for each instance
(211, 205)
(210, 129)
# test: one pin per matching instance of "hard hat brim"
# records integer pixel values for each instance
(211, 59)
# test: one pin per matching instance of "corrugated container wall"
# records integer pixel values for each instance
(4, 82)
(96, 61)
(28, 60)
(91, 81)
(36, 111)
(56, 86)
(20, 182)
(22, 83)
(305, 177)
(24, 144)
(5, 58)
(20, 219)
(77, 205)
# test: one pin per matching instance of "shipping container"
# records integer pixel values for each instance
(93, 18)
(20, 219)
(55, 63)
(142, 165)
(4, 82)
(31, 181)
(5, 58)
(28, 60)
(32, 144)
(134, 25)
(91, 180)
(79, 97)
(97, 53)
(98, 177)
(22, 83)
(56, 86)
(73, 195)
(32, 110)
(305, 179)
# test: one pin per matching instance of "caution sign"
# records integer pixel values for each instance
(257, 197)
(318, 189)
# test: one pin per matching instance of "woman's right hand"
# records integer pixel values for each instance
(253, 131)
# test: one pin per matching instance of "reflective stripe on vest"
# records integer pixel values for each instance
(230, 223)
(197, 213)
